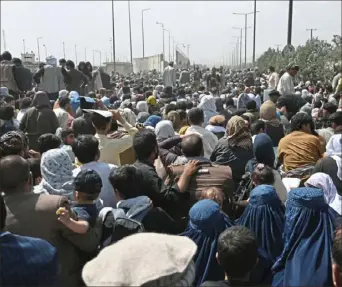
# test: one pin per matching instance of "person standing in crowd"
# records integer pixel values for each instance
(208, 106)
(22, 76)
(34, 215)
(286, 86)
(169, 76)
(73, 78)
(61, 112)
(49, 78)
(33, 258)
(196, 121)
(243, 99)
(184, 77)
(24, 105)
(273, 78)
(39, 119)
(197, 78)
(334, 145)
(213, 80)
(7, 74)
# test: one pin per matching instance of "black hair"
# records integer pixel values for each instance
(13, 143)
(83, 125)
(16, 61)
(182, 114)
(85, 148)
(66, 132)
(169, 108)
(62, 61)
(189, 105)
(6, 112)
(336, 118)
(192, 145)
(181, 92)
(47, 142)
(257, 126)
(229, 102)
(63, 101)
(330, 107)
(201, 88)
(237, 251)
(148, 93)
(70, 64)
(6, 56)
(263, 174)
(271, 68)
(181, 105)
(251, 105)
(144, 143)
(25, 103)
(3, 213)
(299, 120)
(196, 116)
(99, 121)
(239, 112)
(34, 164)
(89, 183)
(258, 90)
(127, 179)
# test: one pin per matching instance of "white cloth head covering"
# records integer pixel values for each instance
(338, 160)
(208, 106)
(62, 93)
(144, 259)
(129, 116)
(56, 168)
(142, 106)
(164, 129)
(334, 145)
(323, 181)
(51, 60)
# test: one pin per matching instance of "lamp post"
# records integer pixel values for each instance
(64, 50)
(246, 15)
(130, 31)
(38, 48)
(169, 44)
(142, 29)
(24, 45)
(289, 24)
(45, 50)
(113, 32)
(240, 44)
(162, 25)
(75, 54)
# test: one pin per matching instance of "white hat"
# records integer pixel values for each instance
(148, 259)
(105, 114)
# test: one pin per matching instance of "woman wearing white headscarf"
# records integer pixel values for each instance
(142, 106)
(208, 106)
(164, 130)
(323, 181)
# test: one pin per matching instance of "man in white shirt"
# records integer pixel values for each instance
(61, 112)
(111, 148)
(169, 76)
(86, 149)
(196, 120)
(286, 85)
(273, 78)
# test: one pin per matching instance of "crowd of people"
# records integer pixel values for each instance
(188, 177)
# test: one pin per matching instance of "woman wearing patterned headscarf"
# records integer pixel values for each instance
(39, 119)
(308, 236)
(236, 149)
(208, 106)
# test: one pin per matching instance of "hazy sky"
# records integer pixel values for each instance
(205, 25)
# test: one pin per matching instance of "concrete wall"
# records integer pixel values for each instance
(120, 67)
(149, 63)
(182, 62)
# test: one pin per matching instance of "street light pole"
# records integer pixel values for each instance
(45, 50)
(169, 44)
(24, 45)
(75, 54)
(130, 30)
(113, 31)
(311, 32)
(142, 29)
(85, 54)
(162, 25)
(289, 26)
(64, 50)
(38, 48)
(254, 32)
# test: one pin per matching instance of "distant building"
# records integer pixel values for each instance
(29, 61)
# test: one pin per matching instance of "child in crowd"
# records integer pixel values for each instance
(257, 127)
(67, 137)
(88, 186)
(262, 174)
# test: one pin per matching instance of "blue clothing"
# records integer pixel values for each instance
(261, 274)
(27, 261)
(74, 101)
(264, 216)
(86, 212)
(308, 236)
(263, 150)
(206, 223)
(105, 101)
(152, 121)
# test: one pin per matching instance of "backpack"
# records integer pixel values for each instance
(116, 225)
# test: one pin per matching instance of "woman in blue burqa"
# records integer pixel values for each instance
(308, 236)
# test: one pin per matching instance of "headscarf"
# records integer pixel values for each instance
(264, 216)
(268, 113)
(151, 100)
(56, 169)
(142, 117)
(74, 101)
(125, 104)
(152, 121)
(208, 106)
(164, 129)
(51, 60)
(263, 150)
(142, 106)
(174, 117)
(62, 93)
(238, 135)
(183, 130)
(323, 181)
(308, 236)
(129, 116)
(41, 100)
(206, 223)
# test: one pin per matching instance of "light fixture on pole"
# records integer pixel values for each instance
(130, 31)
(38, 48)
(45, 50)
(142, 29)
(246, 15)
(162, 25)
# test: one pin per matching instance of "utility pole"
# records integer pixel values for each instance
(85, 54)
(93, 57)
(3, 36)
(64, 50)
(240, 44)
(113, 32)
(246, 15)
(289, 27)
(45, 50)
(278, 45)
(75, 55)
(24, 45)
(311, 32)
(169, 44)
(162, 25)
(254, 32)
(38, 48)
(130, 31)
(142, 29)
(173, 49)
